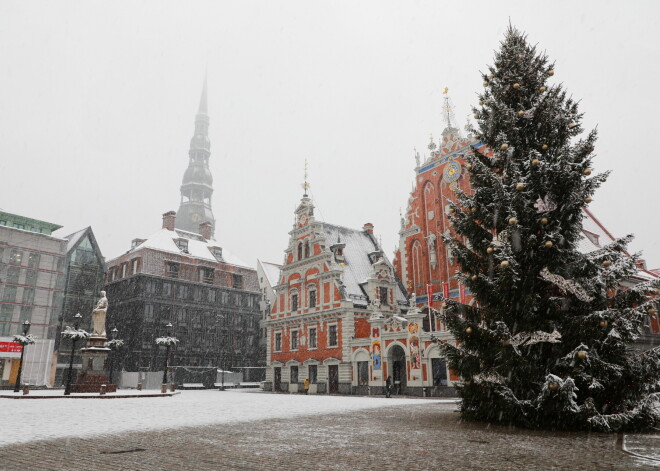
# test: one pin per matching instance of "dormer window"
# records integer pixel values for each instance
(300, 250)
(182, 244)
(217, 253)
(307, 249)
(383, 296)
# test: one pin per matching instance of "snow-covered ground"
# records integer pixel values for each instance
(36, 419)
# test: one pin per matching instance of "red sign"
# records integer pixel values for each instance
(445, 290)
(461, 293)
(10, 349)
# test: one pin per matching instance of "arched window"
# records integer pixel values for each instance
(307, 249)
(300, 250)
(416, 263)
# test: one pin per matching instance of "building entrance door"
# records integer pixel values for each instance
(333, 379)
(277, 380)
(398, 361)
(439, 367)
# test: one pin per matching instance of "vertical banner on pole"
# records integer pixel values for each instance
(445, 290)
(461, 293)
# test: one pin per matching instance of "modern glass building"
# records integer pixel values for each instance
(83, 274)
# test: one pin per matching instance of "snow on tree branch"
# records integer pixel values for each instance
(75, 334)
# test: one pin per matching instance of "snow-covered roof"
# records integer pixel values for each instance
(272, 272)
(357, 265)
(198, 247)
(75, 238)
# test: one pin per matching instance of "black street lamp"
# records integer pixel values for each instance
(67, 390)
(167, 355)
(26, 329)
(113, 344)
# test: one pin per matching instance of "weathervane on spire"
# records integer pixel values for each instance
(306, 184)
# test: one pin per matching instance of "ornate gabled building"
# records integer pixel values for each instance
(425, 264)
(197, 185)
(340, 316)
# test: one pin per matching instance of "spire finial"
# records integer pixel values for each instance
(432, 145)
(448, 111)
(306, 184)
(203, 108)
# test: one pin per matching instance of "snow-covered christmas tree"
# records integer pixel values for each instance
(548, 343)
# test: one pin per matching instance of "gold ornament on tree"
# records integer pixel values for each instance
(588, 199)
(489, 250)
(520, 186)
(541, 89)
(553, 386)
(607, 263)
(603, 323)
(536, 162)
(513, 221)
(582, 355)
(551, 73)
(504, 264)
(548, 243)
(587, 171)
(468, 330)
(544, 147)
(521, 113)
(504, 146)
(544, 221)
(516, 86)
(474, 278)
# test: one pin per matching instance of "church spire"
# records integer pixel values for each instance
(203, 106)
(197, 185)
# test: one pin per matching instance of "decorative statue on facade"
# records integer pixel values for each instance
(98, 316)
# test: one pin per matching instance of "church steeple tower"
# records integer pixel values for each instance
(197, 186)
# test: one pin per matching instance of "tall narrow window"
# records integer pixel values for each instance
(278, 342)
(294, 302)
(382, 291)
(294, 374)
(332, 336)
(313, 373)
(294, 340)
(312, 337)
(307, 249)
(300, 251)
(312, 298)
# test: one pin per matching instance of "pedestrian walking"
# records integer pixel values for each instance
(306, 385)
(388, 387)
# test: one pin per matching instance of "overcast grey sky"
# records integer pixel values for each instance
(98, 99)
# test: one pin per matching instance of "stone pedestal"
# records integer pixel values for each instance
(94, 367)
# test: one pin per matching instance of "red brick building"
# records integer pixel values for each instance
(423, 262)
(340, 317)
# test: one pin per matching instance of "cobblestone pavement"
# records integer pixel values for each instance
(425, 436)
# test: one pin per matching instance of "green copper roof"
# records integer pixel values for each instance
(28, 224)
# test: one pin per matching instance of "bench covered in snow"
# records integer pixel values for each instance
(192, 386)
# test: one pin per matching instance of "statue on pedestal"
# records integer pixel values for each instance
(98, 316)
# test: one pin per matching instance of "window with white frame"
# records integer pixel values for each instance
(294, 301)
(312, 297)
(278, 342)
(294, 340)
(312, 337)
(332, 335)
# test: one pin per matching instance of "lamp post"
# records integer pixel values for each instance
(76, 323)
(26, 329)
(114, 344)
(167, 354)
